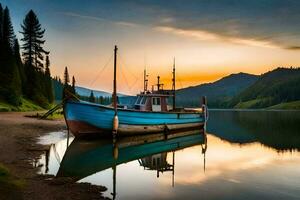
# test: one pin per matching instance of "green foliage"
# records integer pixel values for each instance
(218, 93)
(10, 82)
(278, 86)
(30, 80)
(58, 88)
(100, 99)
(294, 105)
(255, 103)
(92, 97)
(3, 171)
(38, 78)
(66, 76)
(7, 179)
(73, 85)
(1, 23)
(26, 105)
(48, 82)
(33, 34)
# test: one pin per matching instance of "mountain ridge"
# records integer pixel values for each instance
(218, 93)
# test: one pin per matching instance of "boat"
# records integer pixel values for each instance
(150, 113)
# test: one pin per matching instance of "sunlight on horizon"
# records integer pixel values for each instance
(206, 47)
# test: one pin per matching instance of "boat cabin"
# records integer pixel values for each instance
(152, 102)
(156, 100)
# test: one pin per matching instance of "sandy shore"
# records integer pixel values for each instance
(18, 149)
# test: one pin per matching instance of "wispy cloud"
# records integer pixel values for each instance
(293, 48)
(100, 19)
(210, 36)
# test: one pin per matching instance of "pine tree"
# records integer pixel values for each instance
(33, 41)
(1, 45)
(33, 54)
(92, 97)
(73, 85)
(66, 77)
(16, 51)
(1, 23)
(48, 81)
(66, 83)
(10, 83)
(8, 35)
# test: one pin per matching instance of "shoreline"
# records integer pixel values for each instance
(19, 149)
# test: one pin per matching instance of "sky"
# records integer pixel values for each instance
(208, 39)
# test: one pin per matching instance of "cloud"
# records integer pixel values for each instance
(89, 17)
(210, 36)
(296, 48)
(268, 23)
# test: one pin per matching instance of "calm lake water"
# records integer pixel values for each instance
(244, 155)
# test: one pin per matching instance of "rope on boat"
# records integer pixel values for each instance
(101, 71)
(69, 95)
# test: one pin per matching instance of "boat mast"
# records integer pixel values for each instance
(115, 123)
(115, 80)
(173, 86)
(145, 81)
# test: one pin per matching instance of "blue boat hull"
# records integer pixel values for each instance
(85, 118)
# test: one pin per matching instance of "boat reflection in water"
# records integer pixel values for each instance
(86, 157)
(252, 155)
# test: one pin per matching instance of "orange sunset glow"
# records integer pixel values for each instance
(206, 49)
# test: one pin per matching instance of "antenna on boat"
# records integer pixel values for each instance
(145, 81)
(159, 85)
(114, 96)
(173, 85)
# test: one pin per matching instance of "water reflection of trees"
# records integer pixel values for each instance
(278, 130)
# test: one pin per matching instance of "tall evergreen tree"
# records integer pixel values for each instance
(33, 34)
(1, 23)
(33, 54)
(66, 83)
(10, 83)
(1, 42)
(16, 52)
(48, 81)
(7, 31)
(66, 77)
(92, 97)
(73, 85)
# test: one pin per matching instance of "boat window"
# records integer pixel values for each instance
(144, 100)
(156, 101)
(138, 100)
(141, 100)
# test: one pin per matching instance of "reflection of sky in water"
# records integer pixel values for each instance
(247, 171)
(233, 171)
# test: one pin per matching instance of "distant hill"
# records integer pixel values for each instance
(274, 87)
(218, 93)
(82, 91)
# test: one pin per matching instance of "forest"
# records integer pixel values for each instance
(25, 69)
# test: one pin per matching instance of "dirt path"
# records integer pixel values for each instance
(18, 149)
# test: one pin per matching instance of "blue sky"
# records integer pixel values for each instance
(209, 39)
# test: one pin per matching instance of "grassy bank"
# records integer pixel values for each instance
(247, 104)
(294, 105)
(26, 105)
(7, 179)
(10, 186)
